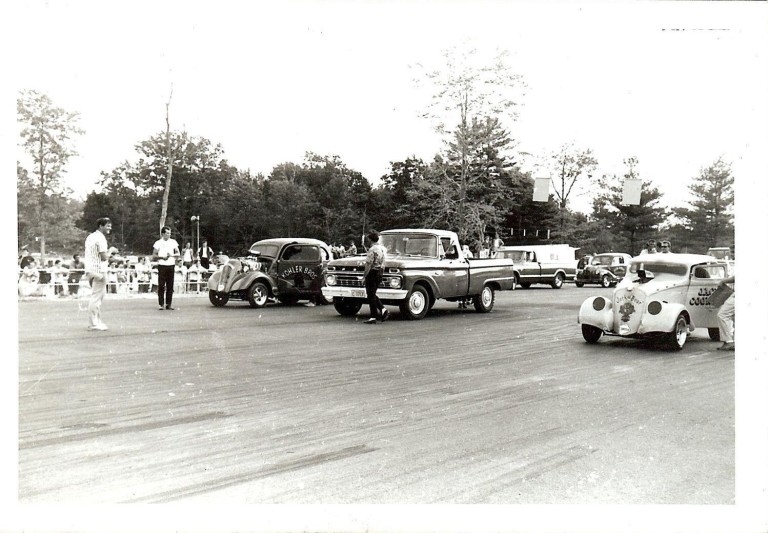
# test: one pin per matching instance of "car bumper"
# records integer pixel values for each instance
(359, 292)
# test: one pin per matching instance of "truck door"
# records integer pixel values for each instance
(704, 281)
(299, 269)
(530, 269)
(455, 280)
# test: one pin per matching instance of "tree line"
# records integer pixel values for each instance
(474, 185)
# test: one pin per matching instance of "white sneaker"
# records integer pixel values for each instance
(98, 327)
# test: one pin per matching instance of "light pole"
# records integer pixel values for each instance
(196, 220)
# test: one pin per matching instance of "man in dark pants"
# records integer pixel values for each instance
(374, 269)
(165, 251)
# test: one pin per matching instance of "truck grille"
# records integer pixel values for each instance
(350, 280)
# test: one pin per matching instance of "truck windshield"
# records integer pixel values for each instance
(412, 244)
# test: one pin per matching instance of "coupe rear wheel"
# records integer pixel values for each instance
(558, 281)
(714, 333)
(416, 306)
(347, 307)
(605, 281)
(485, 300)
(579, 283)
(677, 337)
(258, 295)
(219, 299)
(590, 333)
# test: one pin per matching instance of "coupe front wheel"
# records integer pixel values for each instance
(219, 299)
(605, 281)
(677, 337)
(590, 333)
(579, 283)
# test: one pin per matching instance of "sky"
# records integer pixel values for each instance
(676, 85)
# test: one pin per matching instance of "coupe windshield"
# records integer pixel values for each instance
(265, 249)
(411, 244)
(659, 267)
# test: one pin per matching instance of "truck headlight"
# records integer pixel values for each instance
(395, 283)
(330, 279)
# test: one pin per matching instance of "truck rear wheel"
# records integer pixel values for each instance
(416, 306)
(485, 300)
(347, 307)
(558, 281)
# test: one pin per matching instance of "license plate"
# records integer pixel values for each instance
(358, 293)
(624, 329)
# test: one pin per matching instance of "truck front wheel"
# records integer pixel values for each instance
(485, 300)
(347, 307)
(416, 306)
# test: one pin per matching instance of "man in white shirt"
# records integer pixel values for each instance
(96, 255)
(165, 251)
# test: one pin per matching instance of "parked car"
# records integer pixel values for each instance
(422, 266)
(285, 269)
(606, 269)
(664, 296)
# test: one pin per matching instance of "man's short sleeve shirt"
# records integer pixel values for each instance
(164, 247)
(95, 243)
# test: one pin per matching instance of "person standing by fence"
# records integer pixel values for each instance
(204, 255)
(165, 251)
(96, 255)
(76, 271)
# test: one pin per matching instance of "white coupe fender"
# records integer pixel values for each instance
(664, 319)
(597, 311)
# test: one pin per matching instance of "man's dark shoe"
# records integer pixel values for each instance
(384, 315)
(371, 320)
(169, 308)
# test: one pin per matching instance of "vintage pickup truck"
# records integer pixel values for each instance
(548, 264)
(422, 266)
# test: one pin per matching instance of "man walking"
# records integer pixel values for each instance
(725, 317)
(96, 255)
(374, 270)
(165, 251)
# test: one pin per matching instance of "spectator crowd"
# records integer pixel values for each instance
(125, 275)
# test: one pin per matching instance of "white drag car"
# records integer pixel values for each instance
(663, 296)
